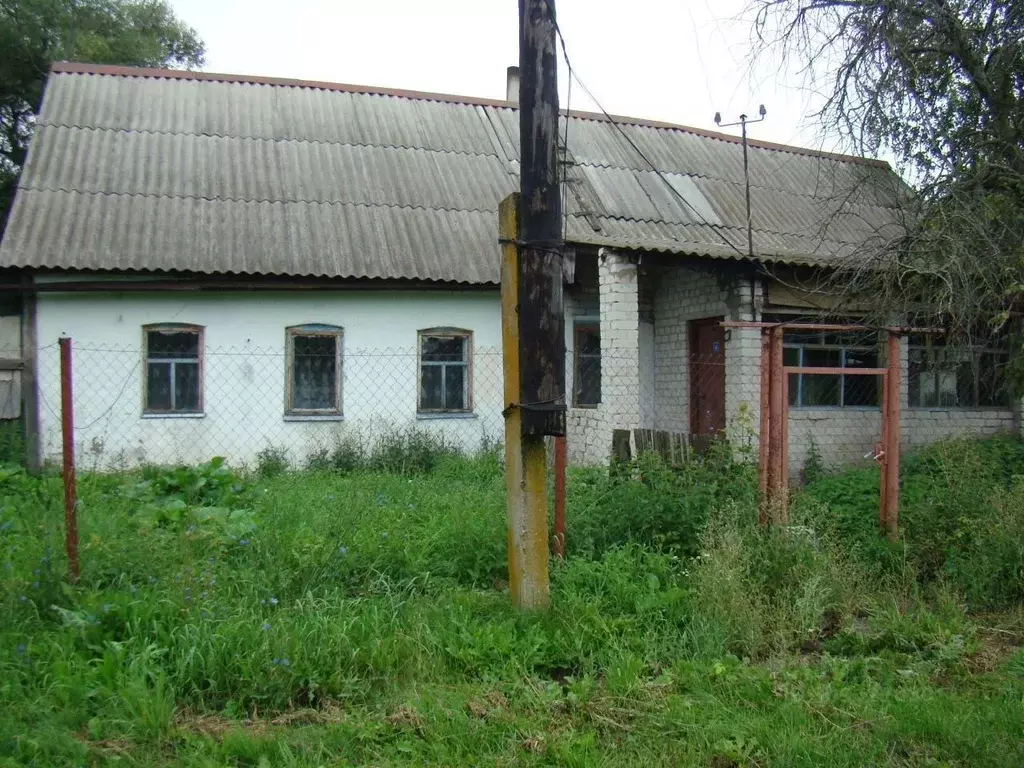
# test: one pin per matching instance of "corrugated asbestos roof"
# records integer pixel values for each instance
(172, 171)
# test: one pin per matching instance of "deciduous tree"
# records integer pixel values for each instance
(35, 33)
(939, 86)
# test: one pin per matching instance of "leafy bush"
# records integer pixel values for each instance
(212, 483)
(410, 451)
(209, 499)
(986, 557)
(318, 460)
(272, 461)
(961, 517)
(650, 502)
(348, 454)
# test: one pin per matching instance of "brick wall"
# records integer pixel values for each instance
(644, 314)
(844, 435)
(682, 294)
(921, 426)
(590, 429)
(687, 293)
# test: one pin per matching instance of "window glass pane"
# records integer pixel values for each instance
(867, 339)
(314, 372)
(942, 388)
(455, 387)
(820, 389)
(798, 338)
(990, 381)
(173, 344)
(588, 340)
(822, 358)
(791, 356)
(915, 380)
(431, 394)
(588, 380)
(955, 377)
(861, 390)
(794, 389)
(861, 358)
(440, 348)
(186, 386)
(965, 395)
(158, 387)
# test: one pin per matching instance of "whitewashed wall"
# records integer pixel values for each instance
(244, 370)
(646, 371)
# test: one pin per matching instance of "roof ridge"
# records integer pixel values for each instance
(258, 201)
(69, 67)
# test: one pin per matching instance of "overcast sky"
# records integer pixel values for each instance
(673, 60)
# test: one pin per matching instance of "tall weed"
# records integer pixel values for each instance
(652, 503)
(961, 517)
(760, 592)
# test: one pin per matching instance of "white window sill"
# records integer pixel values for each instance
(314, 417)
(196, 415)
(428, 415)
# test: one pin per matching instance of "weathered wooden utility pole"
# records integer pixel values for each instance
(533, 323)
(541, 319)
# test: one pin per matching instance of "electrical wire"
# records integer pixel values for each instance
(573, 75)
(564, 170)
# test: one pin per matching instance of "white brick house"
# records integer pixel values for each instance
(648, 310)
(244, 218)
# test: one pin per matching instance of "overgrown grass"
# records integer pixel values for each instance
(359, 616)
(961, 518)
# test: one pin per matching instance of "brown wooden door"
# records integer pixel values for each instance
(707, 377)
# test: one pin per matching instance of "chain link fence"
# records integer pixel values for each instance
(300, 407)
(315, 404)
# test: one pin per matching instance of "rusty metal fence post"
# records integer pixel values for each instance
(776, 431)
(67, 410)
(773, 436)
(764, 516)
(891, 432)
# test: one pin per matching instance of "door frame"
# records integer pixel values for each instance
(693, 330)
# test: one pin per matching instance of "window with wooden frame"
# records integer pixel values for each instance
(586, 365)
(445, 371)
(314, 370)
(804, 348)
(173, 379)
(956, 377)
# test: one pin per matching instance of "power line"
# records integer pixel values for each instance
(573, 75)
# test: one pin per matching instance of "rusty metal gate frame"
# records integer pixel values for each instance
(773, 437)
